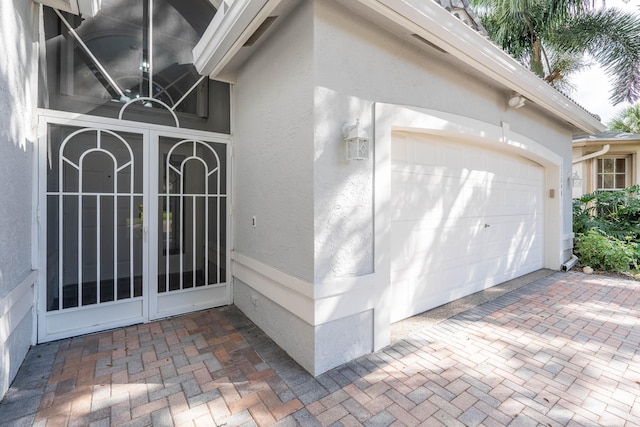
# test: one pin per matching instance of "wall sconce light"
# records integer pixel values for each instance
(516, 101)
(356, 141)
(576, 180)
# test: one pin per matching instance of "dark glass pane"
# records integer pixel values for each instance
(217, 180)
(217, 240)
(101, 250)
(107, 245)
(73, 147)
(607, 165)
(192, 234)
(607, 181)
(70, 253)
(189, 242)
(620, 181)
(620, 165)
(125, 147)
(164, 237)
(174, 277)
(54, 137)
(195, 177)
(106, 290)
(89, 253)
(137, 286)
(222, 267)
(98, 173)
(130, 240)
(53, 253)
(136, 49)
(70, 295)
(201, 239)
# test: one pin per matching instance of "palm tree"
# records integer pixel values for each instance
(628, 120)
(551, 37)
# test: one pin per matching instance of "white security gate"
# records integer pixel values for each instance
(464, 218)
(136, 224)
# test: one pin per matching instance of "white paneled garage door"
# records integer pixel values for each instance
(464, 218)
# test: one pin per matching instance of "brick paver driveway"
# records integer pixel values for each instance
(561, 351)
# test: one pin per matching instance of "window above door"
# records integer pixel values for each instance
(134, 50)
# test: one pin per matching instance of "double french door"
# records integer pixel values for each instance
(134, 223)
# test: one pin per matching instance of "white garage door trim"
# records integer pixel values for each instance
(389, 118)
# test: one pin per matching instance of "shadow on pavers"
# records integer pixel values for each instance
(406, 327)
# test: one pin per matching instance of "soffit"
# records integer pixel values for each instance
(425, 24)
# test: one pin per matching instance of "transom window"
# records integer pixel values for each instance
(134, 49)
(612, 173)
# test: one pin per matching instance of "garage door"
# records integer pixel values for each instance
(464, 218)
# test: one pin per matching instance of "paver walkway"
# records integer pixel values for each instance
(560, 351)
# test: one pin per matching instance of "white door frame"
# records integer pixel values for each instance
(180, 302)
(149, 300)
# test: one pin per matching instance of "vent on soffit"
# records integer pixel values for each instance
(428, 43)
(260, 31)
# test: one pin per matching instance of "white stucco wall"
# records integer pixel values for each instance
(287, 330)
(17, 89)
(343, 209)
(278, 140)
(273, 150)
(357, 66)
(311, 264)
(273, 182)
(357, 63)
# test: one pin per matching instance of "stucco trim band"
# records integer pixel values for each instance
(315, 304)
(290, 292)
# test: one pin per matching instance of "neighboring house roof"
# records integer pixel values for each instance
(607, 137)
(423, 23)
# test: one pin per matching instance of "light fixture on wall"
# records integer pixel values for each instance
(576, 180)
(357, 141)
(516, 101)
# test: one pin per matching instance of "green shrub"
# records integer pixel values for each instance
(607, 229)
(604, 252)
(616, 213)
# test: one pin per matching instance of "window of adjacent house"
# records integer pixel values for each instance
(134, 49)
(612, 173)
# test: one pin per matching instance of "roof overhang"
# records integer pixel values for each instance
(227, 42)
(221, 50)
(76, 7)
(615, 139)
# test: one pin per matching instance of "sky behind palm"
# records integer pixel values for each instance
(592, 85)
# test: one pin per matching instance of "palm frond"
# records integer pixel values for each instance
(628, 120)
(612, 37)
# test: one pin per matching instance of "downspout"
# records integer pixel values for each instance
(604, 150)
(569, 264)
